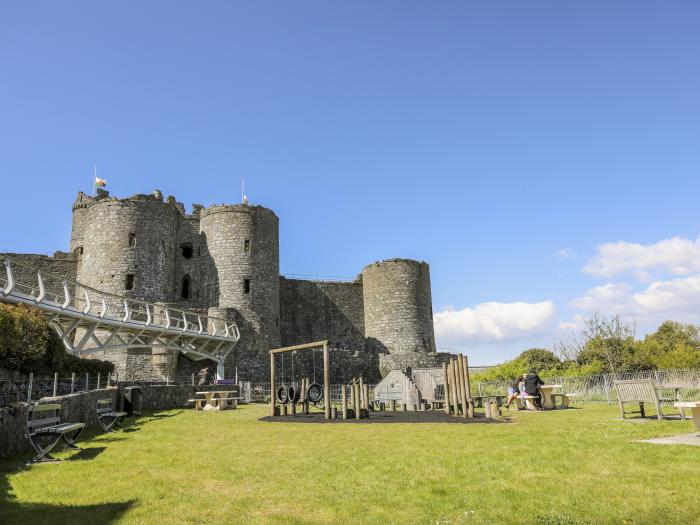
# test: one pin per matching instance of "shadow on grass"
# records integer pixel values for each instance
(12, 511)
(86, 453)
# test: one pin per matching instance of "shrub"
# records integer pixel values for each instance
(29, 344)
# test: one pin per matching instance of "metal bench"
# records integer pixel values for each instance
(44, 424)
(106, 416)
(639, 391)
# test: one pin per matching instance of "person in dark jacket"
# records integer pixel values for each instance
(532, 387)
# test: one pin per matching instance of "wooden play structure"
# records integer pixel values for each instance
(458, 400)
(286, 397)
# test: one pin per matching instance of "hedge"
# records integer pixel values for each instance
(29, 344)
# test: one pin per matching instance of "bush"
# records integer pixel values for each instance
(29, 344)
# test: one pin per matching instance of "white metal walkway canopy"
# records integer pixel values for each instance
(88, 320)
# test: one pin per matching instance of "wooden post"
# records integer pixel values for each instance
(334, 413)
(292, 408)
(404, 407)
(283, 410)
(446, 388)
(98, 381)
(326, 383)
(344, 401)
(72, 382)
(352, 395)
(453, 382)
(192, 378)
(87, 381)
(362, 393)
(273, 387)
(55, 384)
(365, 395)
(29, 387)
(465, 363)
(392, 405)
(358, 401)
(462, 386)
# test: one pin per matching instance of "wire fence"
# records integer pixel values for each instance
(680, 384)
(34, 388)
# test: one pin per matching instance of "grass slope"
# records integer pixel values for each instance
(575, 466)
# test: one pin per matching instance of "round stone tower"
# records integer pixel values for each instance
(128, 247)
(243, 246)
(398, 313)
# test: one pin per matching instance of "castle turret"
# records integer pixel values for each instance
(128, 246)
(243, 244)
(398, 312)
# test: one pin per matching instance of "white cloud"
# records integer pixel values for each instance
(677, 299)
(493, 321)
(565, 253)
(677, 256)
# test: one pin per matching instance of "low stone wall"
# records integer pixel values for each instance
(81, 407)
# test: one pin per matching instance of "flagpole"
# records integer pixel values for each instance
(94, 179)
(242, 188)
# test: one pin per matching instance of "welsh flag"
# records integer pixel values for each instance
(100, 183)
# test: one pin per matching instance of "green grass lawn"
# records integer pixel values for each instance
(182, 466)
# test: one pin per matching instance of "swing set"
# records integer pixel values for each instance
(284, 395)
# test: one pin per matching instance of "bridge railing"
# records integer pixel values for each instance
(30, 284)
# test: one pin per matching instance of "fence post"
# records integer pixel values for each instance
(72, 382)
(29, 387)
(55, 384)
(656, 379)
(109, 379)
(98, 381)
(192, 378)
(87, 381)
(606, 384)
(167, 380)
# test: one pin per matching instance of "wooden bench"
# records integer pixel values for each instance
(639, 391)
(44, 424)
(107, 417)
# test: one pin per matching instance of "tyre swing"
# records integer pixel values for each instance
(314, 392)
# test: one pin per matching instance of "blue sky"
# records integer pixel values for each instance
(543, 157)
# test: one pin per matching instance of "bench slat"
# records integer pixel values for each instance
(43, 422)
(44, 408)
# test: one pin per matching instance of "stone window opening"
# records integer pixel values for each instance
(79, 251)
(129, 284)
(246, 246)
(246, 286)
(132, 239)
(185, 288)
(187, 250)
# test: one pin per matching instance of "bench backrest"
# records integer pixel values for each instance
(104, 405)
(43, 416)
(636, 390)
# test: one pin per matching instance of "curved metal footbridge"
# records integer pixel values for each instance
(89, 320)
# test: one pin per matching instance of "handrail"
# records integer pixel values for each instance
(130, 305)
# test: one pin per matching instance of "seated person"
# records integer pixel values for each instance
(532, 387)
(513, 391)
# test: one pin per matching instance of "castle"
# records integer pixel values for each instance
(223, 260)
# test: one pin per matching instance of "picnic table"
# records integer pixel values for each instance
(216, 400)
(546, 392)
(694, 407)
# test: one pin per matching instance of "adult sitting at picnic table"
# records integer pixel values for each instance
(532, 387)
(513, 391)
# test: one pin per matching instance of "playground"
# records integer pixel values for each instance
(556, 467)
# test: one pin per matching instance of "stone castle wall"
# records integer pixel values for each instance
(224, 260)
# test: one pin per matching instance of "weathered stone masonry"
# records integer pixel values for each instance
(224, 260)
